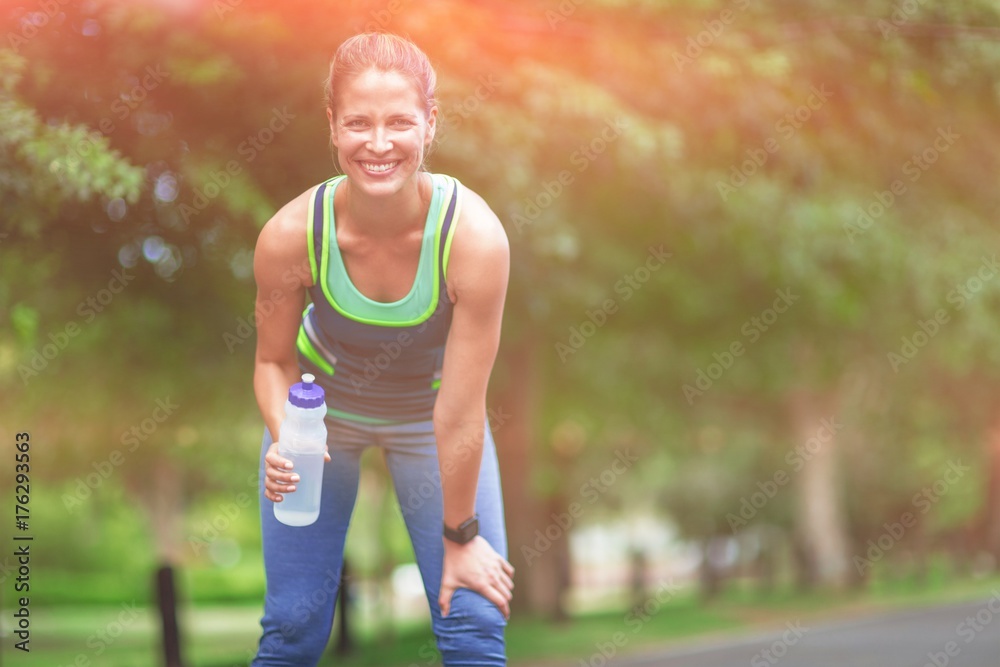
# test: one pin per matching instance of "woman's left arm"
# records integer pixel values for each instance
(478, 271)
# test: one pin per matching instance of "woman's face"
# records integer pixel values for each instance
(381, 131)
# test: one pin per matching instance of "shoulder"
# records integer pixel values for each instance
(478, 230)
(480, 247)
(289, 221)
(282, 241)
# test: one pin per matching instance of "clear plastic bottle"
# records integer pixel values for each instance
(302, 441)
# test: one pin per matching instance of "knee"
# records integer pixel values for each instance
(473, 621)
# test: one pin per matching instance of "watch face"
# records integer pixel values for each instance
(470, 529)
(465, 532)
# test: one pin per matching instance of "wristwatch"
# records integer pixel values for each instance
(465, 531)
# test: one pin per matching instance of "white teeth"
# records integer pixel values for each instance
(378, 168)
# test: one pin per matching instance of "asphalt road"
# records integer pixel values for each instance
(963, 635)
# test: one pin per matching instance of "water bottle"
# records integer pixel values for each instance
(302, 440)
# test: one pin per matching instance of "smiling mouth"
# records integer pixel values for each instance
(378, 168)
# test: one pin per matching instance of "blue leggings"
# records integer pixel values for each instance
(303, 564)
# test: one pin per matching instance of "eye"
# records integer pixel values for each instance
(402, 123)
(354, 124)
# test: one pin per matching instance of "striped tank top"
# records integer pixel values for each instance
(378, 362)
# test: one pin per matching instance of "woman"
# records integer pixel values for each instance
(407, 273)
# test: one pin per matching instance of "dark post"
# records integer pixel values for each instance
(343, 635)
(167, 601)
(638, 566)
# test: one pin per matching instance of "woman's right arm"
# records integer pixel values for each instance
(281, 269)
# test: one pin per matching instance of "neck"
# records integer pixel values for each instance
(387, 216)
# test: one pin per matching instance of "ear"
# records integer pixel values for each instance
(333, 130)
(431, 126)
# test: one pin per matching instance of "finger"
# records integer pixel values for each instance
(507, 567)
(500, 579)
(279, 464)
(499, 568)
(278, 461)
(495, 596)
(276, 477)
(444, 599)
(504, 590)
(274, 487)
(279, 474)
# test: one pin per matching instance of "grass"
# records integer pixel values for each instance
(224, 635)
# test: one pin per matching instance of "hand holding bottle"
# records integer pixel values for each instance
(294, 464)
(279, 475)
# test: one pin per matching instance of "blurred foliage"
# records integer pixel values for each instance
(154, 140)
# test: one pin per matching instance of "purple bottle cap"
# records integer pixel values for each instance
(306, 394)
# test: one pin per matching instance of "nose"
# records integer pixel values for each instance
(378, 141)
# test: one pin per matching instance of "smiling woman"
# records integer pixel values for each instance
(380, 134)
(397, 259)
